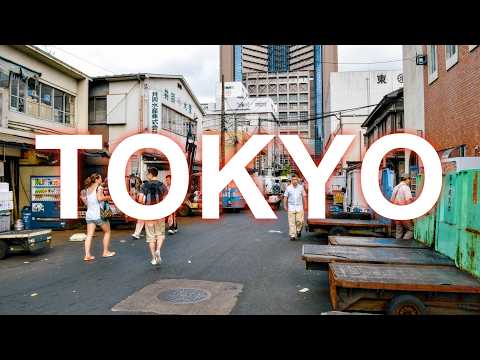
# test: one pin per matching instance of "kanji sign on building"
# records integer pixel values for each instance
(154, 111)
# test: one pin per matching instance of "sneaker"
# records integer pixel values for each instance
(154, 261)
(158, 257)
(136, 236)
(171, 232)
(292, 239)
(176, 230)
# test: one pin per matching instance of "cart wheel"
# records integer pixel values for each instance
(184, 210)
(337, 230)
(406, 305)
(3, 249)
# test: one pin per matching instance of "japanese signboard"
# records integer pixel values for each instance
(154, 117)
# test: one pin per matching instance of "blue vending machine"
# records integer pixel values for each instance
(45, 203)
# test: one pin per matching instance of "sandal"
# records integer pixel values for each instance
(89, 258)
(109, 254)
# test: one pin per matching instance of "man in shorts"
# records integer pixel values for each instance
(153, 192)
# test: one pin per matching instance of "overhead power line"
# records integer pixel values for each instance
(82, 59)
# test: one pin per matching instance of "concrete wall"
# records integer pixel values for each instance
(413, 92)
(452, 106)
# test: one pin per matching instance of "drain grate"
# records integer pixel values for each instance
(184, 295)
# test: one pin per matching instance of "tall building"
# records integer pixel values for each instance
(244, 117)
(295, 77)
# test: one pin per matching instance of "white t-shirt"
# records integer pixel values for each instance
(295, 197)
(93, 205)
(401, 194)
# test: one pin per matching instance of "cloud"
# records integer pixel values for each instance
(369, 54)
(199, 64)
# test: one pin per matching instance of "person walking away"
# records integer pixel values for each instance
(402, 195)
(92, 196)
(172, 219)
(153, 191)
(136, 195)
(295, 202)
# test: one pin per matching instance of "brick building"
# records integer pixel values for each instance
(452, 98)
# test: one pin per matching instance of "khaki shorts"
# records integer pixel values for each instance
(155, 230)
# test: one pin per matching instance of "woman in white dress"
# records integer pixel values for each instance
(92, 196)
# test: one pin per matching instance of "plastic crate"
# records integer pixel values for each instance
(4, 223)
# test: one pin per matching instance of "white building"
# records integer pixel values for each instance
(413, 93)
(356, 89)
(245, 116)
(123, 105)
(39, 94)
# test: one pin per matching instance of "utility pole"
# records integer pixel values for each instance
(259, 155)
(222, 126)
(235, 139)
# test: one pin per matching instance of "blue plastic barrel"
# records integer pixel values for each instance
(27, 218)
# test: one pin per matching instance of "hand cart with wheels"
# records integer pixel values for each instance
(24, 240)
(403, 289)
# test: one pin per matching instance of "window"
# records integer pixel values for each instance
(97, 108)
(17, 93)
(432, 60)
(165, 94)
(303, 97)
(33, 97)
(28, 95)
(451, 55)
(293, 106)
(303, 87)
(472, 47)
(282, 106)
(293, 97)
(176, 123)
(282, 116)
(282, 98)
(303, 115)
(4, 79)
(179, 86)
(293, 87)
(172, 97)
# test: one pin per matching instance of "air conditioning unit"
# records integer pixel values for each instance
(460, 163)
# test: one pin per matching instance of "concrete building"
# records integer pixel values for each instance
(388, 118)
(39, 94)
(352, 90)
(123, 105)
(413, 89)
(244, 117)
(294, 76)
(451, 81)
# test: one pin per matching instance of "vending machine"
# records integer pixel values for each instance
(45, 203)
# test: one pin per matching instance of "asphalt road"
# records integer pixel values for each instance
(235, 249)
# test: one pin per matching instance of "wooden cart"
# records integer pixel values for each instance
(343, 226)
(403, 289)
(375, 242)
(317, 257)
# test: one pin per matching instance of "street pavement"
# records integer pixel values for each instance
(235, 249)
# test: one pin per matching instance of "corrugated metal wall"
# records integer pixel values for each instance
(454, 227)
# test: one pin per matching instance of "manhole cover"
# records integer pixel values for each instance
(184, 295)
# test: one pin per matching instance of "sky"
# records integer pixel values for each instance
(199, 64)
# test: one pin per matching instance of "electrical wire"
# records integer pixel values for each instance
(81, 59)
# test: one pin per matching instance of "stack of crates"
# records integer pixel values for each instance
(6, 205)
